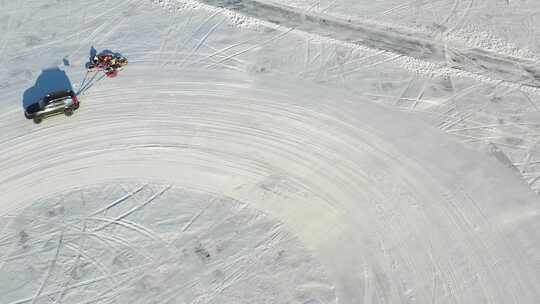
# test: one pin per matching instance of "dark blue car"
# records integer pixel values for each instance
(53, 103)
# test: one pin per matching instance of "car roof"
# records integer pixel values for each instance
(58, 95)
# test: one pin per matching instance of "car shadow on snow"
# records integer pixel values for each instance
(48, 81)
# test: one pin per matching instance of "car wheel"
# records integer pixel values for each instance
(68, 111)
(37, 119)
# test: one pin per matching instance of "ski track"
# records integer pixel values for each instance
(211, 179)
(118, 201)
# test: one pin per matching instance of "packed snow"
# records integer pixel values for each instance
(246, 157)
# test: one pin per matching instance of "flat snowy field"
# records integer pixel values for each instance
(258, 151)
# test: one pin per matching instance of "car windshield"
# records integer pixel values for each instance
(35, 107)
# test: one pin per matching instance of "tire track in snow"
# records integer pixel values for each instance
(411, 44)
(247, 132)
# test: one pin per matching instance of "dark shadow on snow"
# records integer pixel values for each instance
(48, 81)
(93, 52)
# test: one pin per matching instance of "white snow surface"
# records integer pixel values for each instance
(507, 26)
(155, 243)
(238, 161)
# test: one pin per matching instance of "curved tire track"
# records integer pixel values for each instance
(393, 209)
(359, 192)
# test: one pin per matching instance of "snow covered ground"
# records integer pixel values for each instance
(244, 159)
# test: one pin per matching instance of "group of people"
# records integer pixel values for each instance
(109, 63)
